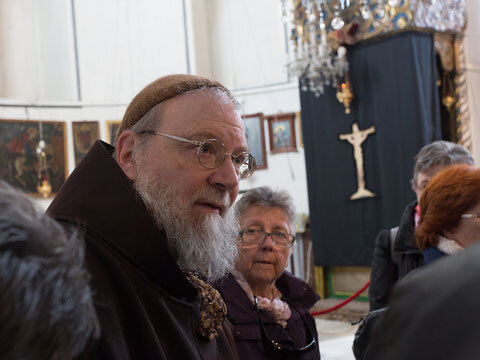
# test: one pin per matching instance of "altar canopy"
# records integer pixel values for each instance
(395, 92)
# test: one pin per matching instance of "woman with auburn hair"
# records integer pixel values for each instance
(450, 212)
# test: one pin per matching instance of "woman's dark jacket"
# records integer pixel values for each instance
(247, 331)
(387, 268)
(146, 307)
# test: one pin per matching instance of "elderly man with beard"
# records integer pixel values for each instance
(157, 216)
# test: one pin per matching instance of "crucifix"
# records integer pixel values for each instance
(356, 138)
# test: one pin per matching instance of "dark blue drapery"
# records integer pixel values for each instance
(394, 84)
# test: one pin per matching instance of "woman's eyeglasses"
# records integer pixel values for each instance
(211, 154)
(280, 347)
(257, 237)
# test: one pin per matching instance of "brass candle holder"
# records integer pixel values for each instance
(345, 95)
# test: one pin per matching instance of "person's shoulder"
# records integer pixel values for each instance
(293, 287)
(465, 266)
(409, 210)
(441, 293)
(223, 282)
(229, 289)
(432, 254)
(383, 238)
(441, 280)
(288, 278)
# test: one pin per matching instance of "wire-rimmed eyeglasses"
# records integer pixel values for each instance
(281, 347)
(257, 237)
(211, 153)
(470, 216)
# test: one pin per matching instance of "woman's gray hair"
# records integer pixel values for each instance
(266, 196)
(439, 153)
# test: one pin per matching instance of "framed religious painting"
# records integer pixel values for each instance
(255, 134)
(33, 155)
(112, 129)
(85, 133)
(281, 131)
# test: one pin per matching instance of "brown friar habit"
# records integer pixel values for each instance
(146, 306)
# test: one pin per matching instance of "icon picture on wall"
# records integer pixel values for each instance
(281, 129)
(85, 133)
(33, 151)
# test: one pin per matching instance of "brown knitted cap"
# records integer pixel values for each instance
(160, 90)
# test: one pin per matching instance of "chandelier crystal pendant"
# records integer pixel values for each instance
(320, 28)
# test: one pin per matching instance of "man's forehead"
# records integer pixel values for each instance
(234, 137)
(202, 116)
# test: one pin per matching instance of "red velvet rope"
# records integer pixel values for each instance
(346, 301)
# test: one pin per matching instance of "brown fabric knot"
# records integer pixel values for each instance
(212, 308)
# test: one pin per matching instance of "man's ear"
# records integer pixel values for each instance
(125, 146)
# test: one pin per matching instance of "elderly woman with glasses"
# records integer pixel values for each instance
(450, 212)
(268, 306)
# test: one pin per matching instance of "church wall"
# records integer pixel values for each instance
(249, 53)
(285, 170)
(473, 72)
(200, 19)
(85, 62)
(90, 71)
(124, 45)
(36, 53)
(249, 43)
(121, 46)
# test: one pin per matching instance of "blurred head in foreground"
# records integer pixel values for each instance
(46, 308)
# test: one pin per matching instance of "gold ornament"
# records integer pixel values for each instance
(345, 95)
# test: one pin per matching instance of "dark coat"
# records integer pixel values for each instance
(247, 331)
(385, 272)
(434, 313)
(146, 307)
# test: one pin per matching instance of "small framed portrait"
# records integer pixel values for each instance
(85, 133)
(33, 155)
(255, 134)
(281, 129)
(112, 129)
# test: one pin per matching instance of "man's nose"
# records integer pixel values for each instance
(225, 176)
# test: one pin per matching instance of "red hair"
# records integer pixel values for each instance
(446, 197)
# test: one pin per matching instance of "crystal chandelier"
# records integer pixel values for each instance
(321, 27)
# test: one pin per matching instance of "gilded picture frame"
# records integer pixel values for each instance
(85, 133)
(33, 151)
(255, 134)
(111, 131)
(298, 119)
(281, 131)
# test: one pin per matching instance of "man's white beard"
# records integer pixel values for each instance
(206, 246)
